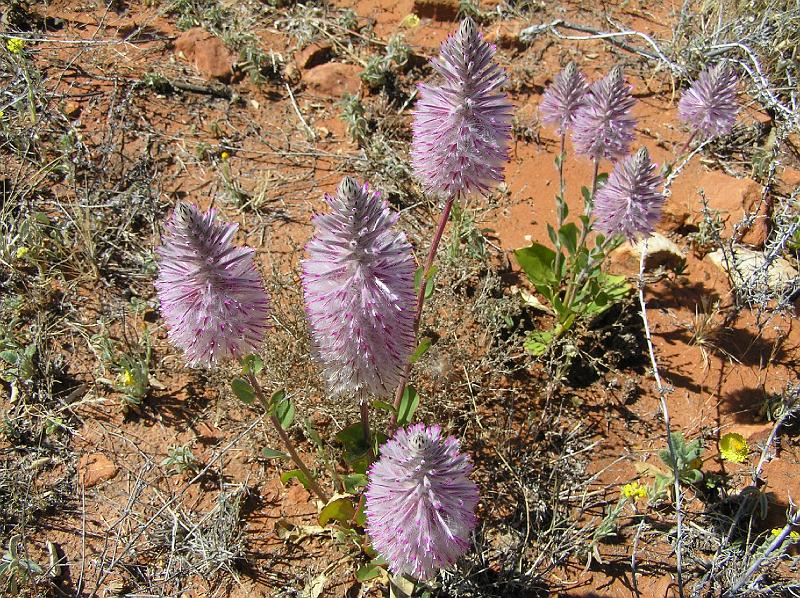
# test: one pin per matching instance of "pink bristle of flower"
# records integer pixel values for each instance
(710, 105)
(462, 127)
(212, 297)
(630, 202)
(358, 283)
(420, 502)
(603, 127)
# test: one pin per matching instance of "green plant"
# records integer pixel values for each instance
(180, 460)
(130, 362)
(687, 463)
(378, 69)
(353, 116)
(17, 571)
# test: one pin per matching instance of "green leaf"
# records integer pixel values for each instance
(408, 405)
(243, 391)
(340, 509)
(537, 262)
(568, 234)
(602, 178)
(361, 518)
(428, 283)
(422, 348)
(252, 364)
(9, 357)
(284, 411)
(352, 438)
(269, 453)
(587, 195)
(312, 433)
(276, 398)
(383, 406)
(551, 232)
(367, 572)
(354, 481)
(537, 342)
(297, 474)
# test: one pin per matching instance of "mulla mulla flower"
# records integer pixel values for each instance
(359, 293)
(603, 127)
(710, 106)
(420, 502)
(462, 128)
(630, 202)
(563, 98)
(212, 297)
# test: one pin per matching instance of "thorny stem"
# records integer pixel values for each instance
(665, 413)
(688, 142)
(287, 442)
(745, 500)
(776, 543)
(423, 283)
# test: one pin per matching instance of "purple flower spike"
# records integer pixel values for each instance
(710, 106)
(563, 98)
(212, 297)
(359, 292)
(462, 128)
(420, 502)
(630, 202)
(603, 126)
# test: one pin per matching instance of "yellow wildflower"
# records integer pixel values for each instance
(224, 156)
(634, 490)
(794, 536)
(776, 531)
(2, 114)
(410, 21)
(15, 45)
(733, 447)
(126, 378)
(21, 252)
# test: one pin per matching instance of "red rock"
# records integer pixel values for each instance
(314, 55)
(95, 468)
(333, 79)
(207, 52)
(733, 199)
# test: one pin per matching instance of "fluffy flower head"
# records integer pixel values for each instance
(563, 98)
(709, 106)
(603, 126)
(359, 293)
(420, 502)
(630, 202)
(462, 128)
(212, 297)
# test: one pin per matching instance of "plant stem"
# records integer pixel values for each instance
(365, 420)
(559, 206)
(572, 287)
(423, 283)
(665, 414)
(315, 487)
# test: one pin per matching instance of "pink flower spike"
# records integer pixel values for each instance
(462, 128)
(212, 297)
(710, 106)
(358, 283)
(563, 98)
(420, 502)
(630, 202)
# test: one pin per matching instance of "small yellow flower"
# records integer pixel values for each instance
(410, 21)
(224, 156)
(794, 536)
(776, 531)
(2, 114)
(15, 45)
(126, 378)
(21, 252)
(733, 447)
(634, 490)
